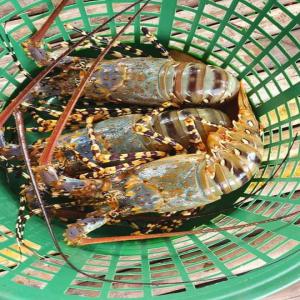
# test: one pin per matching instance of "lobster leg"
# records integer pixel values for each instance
(79, 118)
(153, 40)
(195, 137)
(140, 128)
(87, 44)
(133, 160)
(79, 230)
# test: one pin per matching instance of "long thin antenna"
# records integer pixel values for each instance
(36, 38)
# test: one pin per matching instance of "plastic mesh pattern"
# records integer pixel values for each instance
(258, 41)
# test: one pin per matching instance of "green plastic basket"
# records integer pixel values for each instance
(255, 40)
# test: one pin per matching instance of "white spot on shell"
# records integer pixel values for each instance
(250, 123)
(237, 152)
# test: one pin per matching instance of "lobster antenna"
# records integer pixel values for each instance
(36, 38)
(7, 112)
(112, 239)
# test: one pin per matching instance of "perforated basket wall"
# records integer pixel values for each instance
(255, 40)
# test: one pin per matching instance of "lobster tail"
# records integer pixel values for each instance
(236, 152)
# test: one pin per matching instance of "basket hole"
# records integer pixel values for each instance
(282, 249)
(204, 274)
(95, 21)
(45, 267)
(246, 10)
(128, 277)
(216, 61)
(181, 25)
(102, 263)
(21, 34)
(262, 207)
(288, 188)
(94, 9)
(150, 22)
(257, 263)
(101, 256)
(260, 240)
(131, 270)
(6, 8)
(295, 218)
(168, 290)
(292, 73)
(7, 263)
(162, 267)
(162, 260)
(125, 263)
(172, 280)
(212, 10)
(178, 34)
(166, 274)
(95, 268)
(289, 46)
(176, 44)
(271, 243)
(240, 261)
(293, 195)
(126, 294)
(121, 285)
(117, 7)
(283, 210)
(79, 292)
(95, 284)
(195, 255)
(29, 282)
(42, 8)
(182, 244)
(252, 234)
(293, 107)
(205, 266)
(229, 252)
(37, 274)
(71, 13)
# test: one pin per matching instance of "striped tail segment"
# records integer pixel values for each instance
(236, 152)
(197, 83)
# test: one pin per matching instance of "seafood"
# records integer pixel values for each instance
(214, 154)
(224, 155)
(145, 81)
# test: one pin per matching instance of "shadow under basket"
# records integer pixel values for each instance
(257, 42)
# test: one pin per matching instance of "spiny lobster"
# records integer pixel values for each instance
(216, 155)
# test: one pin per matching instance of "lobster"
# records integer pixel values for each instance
(206, 164)
(218, 155)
